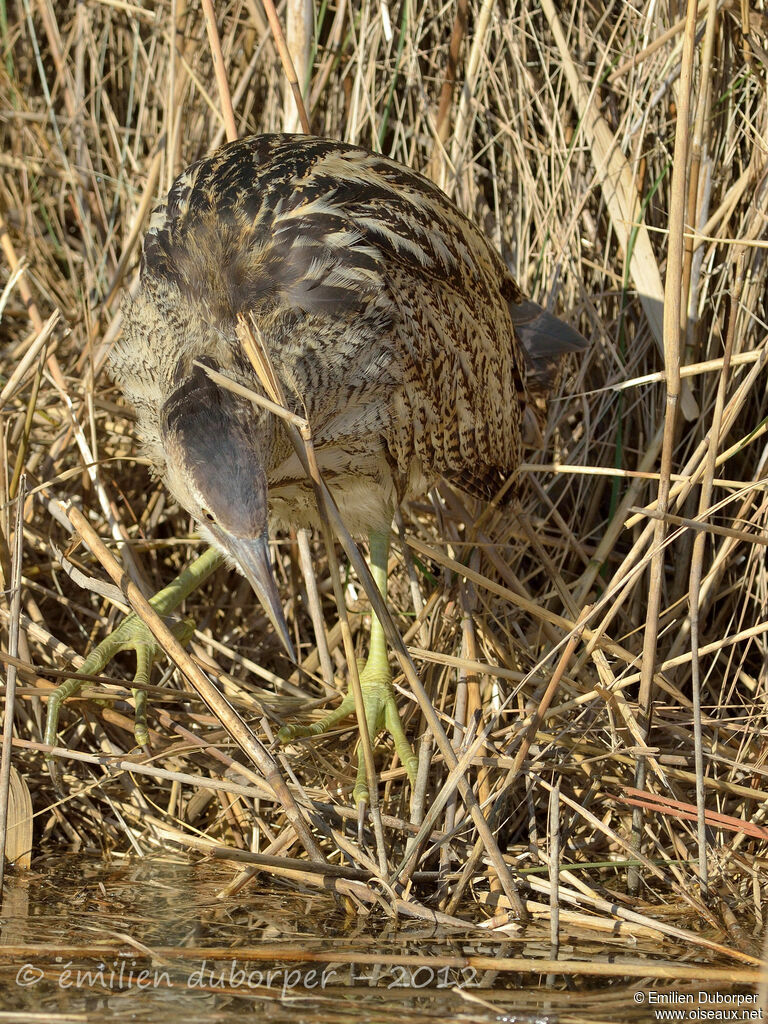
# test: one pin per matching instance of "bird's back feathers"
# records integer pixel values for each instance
(388, 316)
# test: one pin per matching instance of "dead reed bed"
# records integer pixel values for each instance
(597, 654)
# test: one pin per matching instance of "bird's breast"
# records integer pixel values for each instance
(362, 486)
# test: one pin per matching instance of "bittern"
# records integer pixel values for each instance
(391, 323)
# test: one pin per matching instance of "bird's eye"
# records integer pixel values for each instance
(209, 516)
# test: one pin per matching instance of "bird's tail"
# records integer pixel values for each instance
(546, 340)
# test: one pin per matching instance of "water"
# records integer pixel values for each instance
(150, 940)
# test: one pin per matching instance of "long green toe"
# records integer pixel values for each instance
(381, 715)
(133, 635)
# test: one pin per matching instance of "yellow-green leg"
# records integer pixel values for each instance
(133, 635)
(376, 681)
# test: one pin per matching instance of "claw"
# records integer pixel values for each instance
(381, 714)
(133, 635)
(378, 696)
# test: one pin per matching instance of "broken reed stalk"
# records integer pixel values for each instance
(301, 437)
(697, 552)
(330, 516)
(217, 703)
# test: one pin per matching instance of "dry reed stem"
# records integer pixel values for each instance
(672, 340)
(288, 66)
(222, 83)
(10, 679)
(266, 952)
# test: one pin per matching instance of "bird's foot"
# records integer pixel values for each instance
(133, 635)
(381, 714)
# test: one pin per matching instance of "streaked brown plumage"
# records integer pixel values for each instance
(391, 324)
(389, 318)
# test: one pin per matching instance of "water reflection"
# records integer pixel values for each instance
(152, 940)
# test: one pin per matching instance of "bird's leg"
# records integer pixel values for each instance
(376, 679)
(376, 682)
(132, 634)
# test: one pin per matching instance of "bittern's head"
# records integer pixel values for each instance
(214, 467)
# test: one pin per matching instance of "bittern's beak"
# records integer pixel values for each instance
(252, 555)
